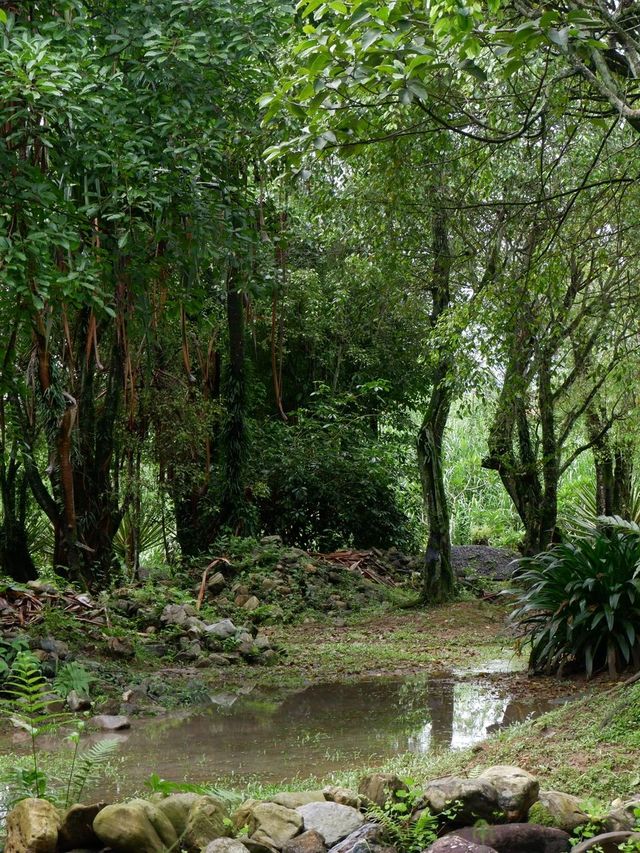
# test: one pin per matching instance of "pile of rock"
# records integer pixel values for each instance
(216, 643)
(494, 812)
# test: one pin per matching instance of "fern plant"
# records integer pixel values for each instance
(28, 705)
(398, 826)
(73, 676)
(88, 766)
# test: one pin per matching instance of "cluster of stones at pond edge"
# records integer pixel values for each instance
(499, 811)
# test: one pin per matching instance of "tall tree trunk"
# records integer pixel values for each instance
(438, 579)
(15, 559)
(602, 460)
(547, 531)
(234, 504)
(623, 482)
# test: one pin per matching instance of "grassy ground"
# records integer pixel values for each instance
(384, 643)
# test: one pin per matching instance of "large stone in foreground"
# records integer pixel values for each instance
(177, 807)
(366, 839)
(32, 827)
(380, 787)
(225, 845)
(456, 844)
(77, 830)
(135, 827)
(517, 790)
(520, 837)
(555, 808)
(270, 824)
(468, 799)
(309, 842)
(332, 820)
(207, 822)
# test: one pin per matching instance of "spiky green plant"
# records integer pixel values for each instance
(580, 602)
(582, 513)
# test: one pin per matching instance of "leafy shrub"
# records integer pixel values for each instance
(581, 602)
(324, 483)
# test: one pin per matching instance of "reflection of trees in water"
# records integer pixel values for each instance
(415, 715)
(459, 716)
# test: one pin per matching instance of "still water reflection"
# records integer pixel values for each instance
(316, 731)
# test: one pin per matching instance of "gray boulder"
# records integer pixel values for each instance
(309, 842)
(622, 817)
(177, 614)
(110, 722)
(456, 844)
(295, 799)
(469, 799)
(380, 787)
(222, 630)
(365, 839)
(271, 824)
(208, 820)
(176, 808)
(216, 583)
(517, 789)
(225, 845)
(344, 796)
(77, 702)
(332, 820)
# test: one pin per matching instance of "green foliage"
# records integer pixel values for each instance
(87, 767)
(581, 602)
(399, 825)
(480, 509)
(9, 650)
(28, 706)
(157, 785)
(73, 676)
(326, 482)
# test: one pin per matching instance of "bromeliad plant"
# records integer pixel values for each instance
(581, 602)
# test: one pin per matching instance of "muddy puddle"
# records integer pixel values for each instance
(251, 734)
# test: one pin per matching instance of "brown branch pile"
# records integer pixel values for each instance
(21, 608)
(365, 563)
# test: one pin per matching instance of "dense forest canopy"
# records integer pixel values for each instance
(351, 273)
